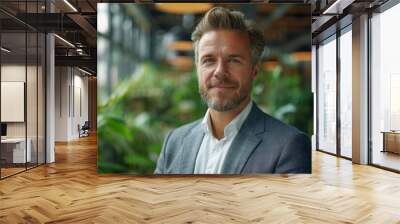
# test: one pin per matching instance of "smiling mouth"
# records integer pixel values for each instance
(222, 87)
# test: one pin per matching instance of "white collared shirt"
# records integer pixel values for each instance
(212, 151)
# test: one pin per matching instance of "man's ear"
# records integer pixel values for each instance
(256, 68)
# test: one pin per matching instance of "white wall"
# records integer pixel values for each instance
(12, 73)
(71, 94)
(61, 103)
(33, 126)
(12, 100)
(16, 73)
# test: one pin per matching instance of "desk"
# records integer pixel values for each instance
(16, 147)
(391, 141)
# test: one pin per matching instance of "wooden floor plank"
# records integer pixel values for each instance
(70, 191)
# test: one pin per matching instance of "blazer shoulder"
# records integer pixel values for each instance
(185, 129)
(293, 147)
(281, 127)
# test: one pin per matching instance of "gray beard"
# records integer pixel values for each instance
(224, 106)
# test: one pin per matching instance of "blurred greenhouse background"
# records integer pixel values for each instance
(147, 82)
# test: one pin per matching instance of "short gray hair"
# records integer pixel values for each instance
(222, 18)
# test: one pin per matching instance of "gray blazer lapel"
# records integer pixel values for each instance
(190, 148)
(245, 142)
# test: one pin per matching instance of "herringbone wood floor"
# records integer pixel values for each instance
(70, 191)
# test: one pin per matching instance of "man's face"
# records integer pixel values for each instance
(225, 70)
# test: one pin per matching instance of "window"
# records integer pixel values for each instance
(385, 88)
(327, 95)
(346, 92)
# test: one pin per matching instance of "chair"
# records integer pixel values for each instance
(84, 130)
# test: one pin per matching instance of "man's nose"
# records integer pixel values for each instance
(220, 70)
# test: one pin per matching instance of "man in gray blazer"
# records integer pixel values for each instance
(235, 136)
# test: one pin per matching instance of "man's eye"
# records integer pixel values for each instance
(234, 60)
(207, 61)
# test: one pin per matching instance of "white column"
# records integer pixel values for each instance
(50, 93)
(360, 90)
(50, 100)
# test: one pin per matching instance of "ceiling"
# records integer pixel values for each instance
(78, 24)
